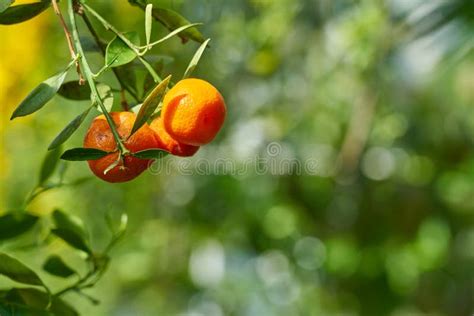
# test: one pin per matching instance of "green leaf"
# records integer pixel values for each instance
(56, 266)
(148, 17)
(150, 104)
(22, 12)
(126, 75)
(118, 53)
(81, 154)
(72, 239)
(49, 164)
(195, 60)
(39, 301)
(70, 128)
(151, 154)
(17, 271)
(173, 20)
(71, 229)
(70, 222)
(74, 91)
(106, 95)
(13, 224)
(4, 4)
(40, 95)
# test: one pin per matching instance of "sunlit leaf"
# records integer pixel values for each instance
(151, 154)
(13, 224)
(81, 154)
(173, 20)
(49, 164)
(148, 17)
(195, 60)
(40, 95)
(70, 128)
(22, 12)
(106, 95)
(4, 4)
(118, 53)
(56, 266)
(17, 271)
(74, 91)
(150, 104)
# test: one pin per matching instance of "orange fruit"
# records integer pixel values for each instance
(100, 136)
(169, 144)
(193, 112)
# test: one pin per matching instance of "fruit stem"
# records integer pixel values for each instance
(90, 79)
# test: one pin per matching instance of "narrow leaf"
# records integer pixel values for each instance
(17, 271)
(22, 12)
(118, 53)
(4, 4)
(81, 154)
(150, 104)
(173, 20)
(69, 222)
(74, 91)
(151, 154)
(106, 95)
(148, 17)
(195, 60)
(56, 266)
(12, 225)
(40, 95)
(72, 239)
(49, 164)
(70, 128)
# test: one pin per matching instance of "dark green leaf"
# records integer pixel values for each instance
(150, 104)
(4, 4)
(17, 271)
(72, 239)
(39, 300)
(16, 309)
(56, 266)
(69, 129)
(173, 20)
(49, 164)
(74, 91)
(127, 77)
(89, 45)
(106, 95)
(81, 154)
(69, 222)
(195, 60)
(118, 53)
(151, 154)
(22, 12)
(12, 225)
(40, 95)
(71, 229)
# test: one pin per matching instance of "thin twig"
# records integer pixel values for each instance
(90, 80)
(102, 49)
(68, 40)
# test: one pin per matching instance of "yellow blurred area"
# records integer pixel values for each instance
(20, 46)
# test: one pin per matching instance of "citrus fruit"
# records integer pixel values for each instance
(193, 112)
(169, 144)
(100, 136)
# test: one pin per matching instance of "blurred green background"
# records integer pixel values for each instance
(377, 96)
